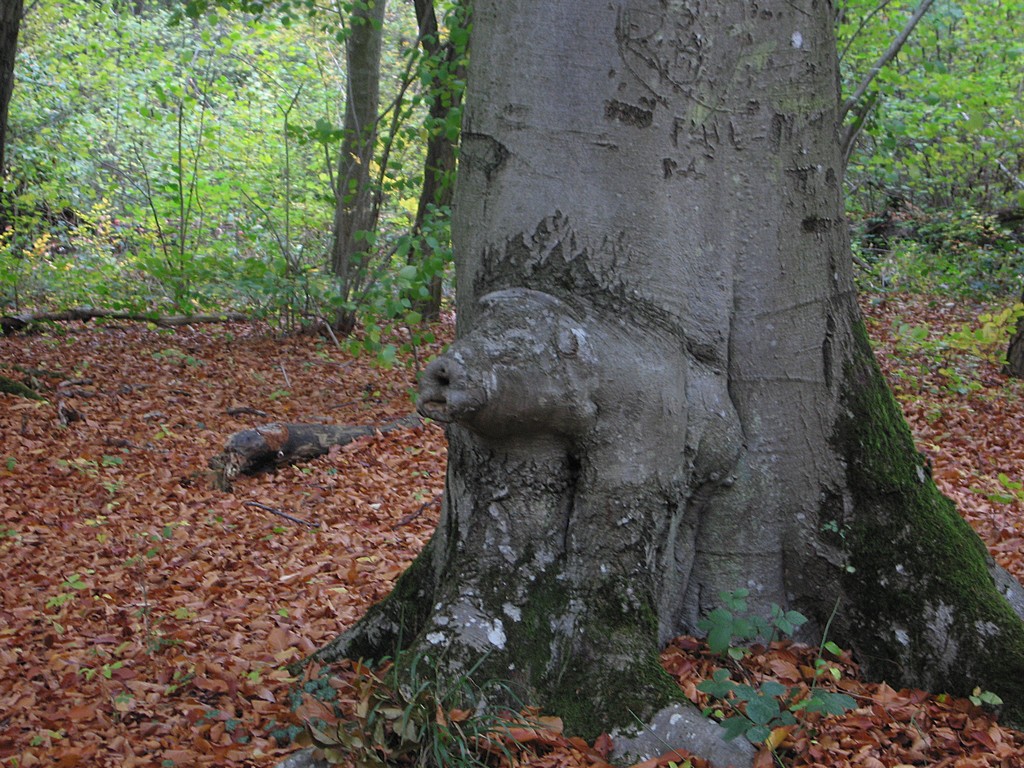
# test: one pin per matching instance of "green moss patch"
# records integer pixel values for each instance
(590, 658)
(923, 608)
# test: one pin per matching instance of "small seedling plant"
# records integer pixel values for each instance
(761, 712)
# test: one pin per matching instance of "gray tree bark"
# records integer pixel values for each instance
(356, 207)
(662, 387)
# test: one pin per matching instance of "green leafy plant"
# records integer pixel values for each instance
(180, 680)
(732, 622)
(988, 340)
(749, 711)
(756, 710)
(87, 467)
(70, 585)
(46, 737)
(1009, 491)
(957, 253)
(177, 357)
(958, 355)
(980, 698)
(107, 669)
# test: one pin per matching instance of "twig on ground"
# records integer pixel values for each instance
(410, 517)
(285, 515)
(10, 324)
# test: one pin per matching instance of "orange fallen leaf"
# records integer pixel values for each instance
(604, 745)
(82, 712)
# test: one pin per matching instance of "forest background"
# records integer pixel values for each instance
(166, 160)
(157, 163)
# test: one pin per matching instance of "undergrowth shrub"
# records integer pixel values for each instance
(959, 253)
(761, 711)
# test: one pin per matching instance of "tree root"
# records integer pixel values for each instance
(12, 387)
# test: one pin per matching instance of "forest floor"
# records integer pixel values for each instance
(147, 619)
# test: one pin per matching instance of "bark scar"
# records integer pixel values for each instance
(630, 114)
(483, 153)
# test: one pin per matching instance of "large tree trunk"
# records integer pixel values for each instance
(661, 387)
(356, 206)
(10, 22)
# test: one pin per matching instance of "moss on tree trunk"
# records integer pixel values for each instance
(591, 656)
(921, 606)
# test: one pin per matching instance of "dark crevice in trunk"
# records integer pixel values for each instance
(570, 513)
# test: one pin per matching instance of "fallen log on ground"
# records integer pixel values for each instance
(10, 324)
(274, 445)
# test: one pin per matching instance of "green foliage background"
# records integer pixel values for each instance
(939, 166)
(168, 144)
(947, 130)
(165, 164)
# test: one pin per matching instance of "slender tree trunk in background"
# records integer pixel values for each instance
(1013, 218)
(439, 165)
(1015, 353)
(662, 387)
(357, 205)
(10, 22)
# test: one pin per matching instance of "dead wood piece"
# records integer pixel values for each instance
(410, 517)
(274, 445)
(305, 759)
(245, 410)
(1015, 354)
(38, 373)
(68, 414)
(10, 324)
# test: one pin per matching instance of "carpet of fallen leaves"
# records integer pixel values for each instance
(146, 619)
